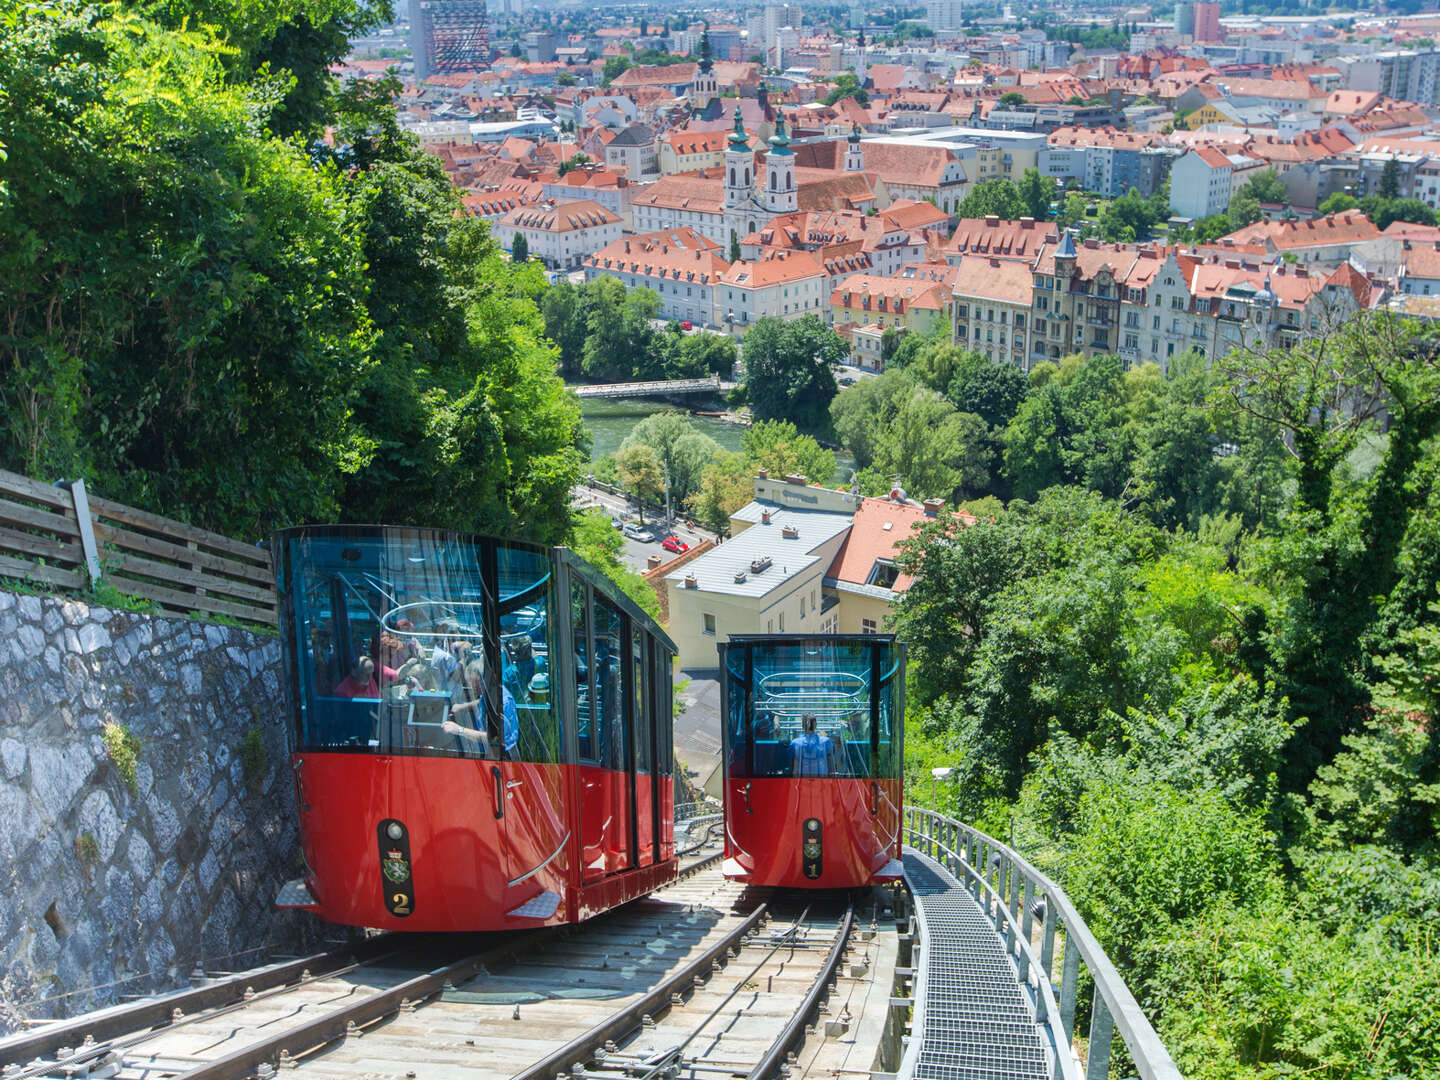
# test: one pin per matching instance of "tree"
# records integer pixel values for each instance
(998, 197)
(1129, 218)
(1210, 229)
(1384, 211)
(563, 307)
(726, 484)
(1338, 203)
(734, 246)
(1011, 98)
(789, 366)
(574, 162)
(703, 354)
(777, 446)
(615, 66)
(1390, 179)
(620, 343)
(1072, 211)
(1036, 192)
(519, 248)
(641, 473)
(934, 450)
(684, 451)
(1244, 210)
(1266, 187)
(847, 85)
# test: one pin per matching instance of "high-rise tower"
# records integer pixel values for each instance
(448, 36)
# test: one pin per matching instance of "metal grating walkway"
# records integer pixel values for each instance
(973, 1020)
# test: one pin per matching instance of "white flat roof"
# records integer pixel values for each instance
(715, 570)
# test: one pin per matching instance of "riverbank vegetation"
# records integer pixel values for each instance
(706, 481)
(1190, 653)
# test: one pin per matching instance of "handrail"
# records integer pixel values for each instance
(1016, 886)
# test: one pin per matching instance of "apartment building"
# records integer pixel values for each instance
(783, 285)
(682, 266)
(1076, 305)
(916, 299)
(561, 234)
(993, 299)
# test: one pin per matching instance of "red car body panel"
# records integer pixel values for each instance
(860, 822)
(471, 868)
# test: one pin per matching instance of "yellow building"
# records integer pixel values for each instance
(801, 559)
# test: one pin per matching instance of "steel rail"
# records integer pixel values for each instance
(158, 1012)
(613, 1028)
(795, 1029)
(334, 1025)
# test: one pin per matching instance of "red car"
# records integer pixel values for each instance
(687, 326)
(675, 544)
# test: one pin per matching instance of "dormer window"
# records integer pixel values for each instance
(883, 574)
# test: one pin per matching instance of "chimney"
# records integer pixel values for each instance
(1027, 223)
(796, 478)
(764, 517)
(933, 506)
(691, 582)
(764, 474)
(992, 219)
(790, 532)
(652, 562)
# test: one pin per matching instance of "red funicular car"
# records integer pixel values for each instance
(482, 731)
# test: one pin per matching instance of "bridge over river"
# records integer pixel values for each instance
(659, 388)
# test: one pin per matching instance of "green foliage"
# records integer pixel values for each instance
(594, 539)
(1339, 203)
(1384, 211)
(999, 197)
(1131, 218)
(1036, 191)
(87, 852)
(1203, 692)
(847, 85)
(684, 450)
(726, 485)
(1244, 210)
(220, 317)
(615, 66)
(1011, 98)
(789, 369)
(1210, 229)
(254, 760)
(123, 749)
(1266, 187)
(777, 446)
(519, 248)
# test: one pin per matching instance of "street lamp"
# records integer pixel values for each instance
(942, 773)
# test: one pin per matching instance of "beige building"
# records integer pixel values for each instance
(802, 559)
(561, 235)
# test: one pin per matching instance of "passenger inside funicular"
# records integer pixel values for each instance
(391, 635)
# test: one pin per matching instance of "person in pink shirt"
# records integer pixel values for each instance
(360, 683)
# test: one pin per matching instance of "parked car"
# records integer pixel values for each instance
(675, 544)
(617, 523)
(639, 532)
(687, 326)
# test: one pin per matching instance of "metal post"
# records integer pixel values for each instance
(1027, 893)
(87, 529)
(1069, 980)
(1102, 1031)
(1047, 941)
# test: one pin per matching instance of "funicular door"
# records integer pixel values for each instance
(530, 777)
(607, 775)
(642, 704)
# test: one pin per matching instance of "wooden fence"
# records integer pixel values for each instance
(63, 536)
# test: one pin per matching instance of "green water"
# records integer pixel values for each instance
(611, 419)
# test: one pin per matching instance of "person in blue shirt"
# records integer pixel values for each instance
(811, 753)
(475, 684)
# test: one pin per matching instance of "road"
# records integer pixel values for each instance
(636, 554)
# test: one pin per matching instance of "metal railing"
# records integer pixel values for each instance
(1014, 895)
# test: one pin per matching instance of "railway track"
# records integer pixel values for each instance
(701, 978)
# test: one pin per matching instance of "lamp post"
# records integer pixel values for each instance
(942, 773)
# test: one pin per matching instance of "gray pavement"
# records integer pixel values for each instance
(637, 554)
(697, 729)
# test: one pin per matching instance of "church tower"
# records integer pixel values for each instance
(854, 157)
(706, 87)
(780, 194)
(739, 165)
(862, 65)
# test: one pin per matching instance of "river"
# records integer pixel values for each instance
(611, 419)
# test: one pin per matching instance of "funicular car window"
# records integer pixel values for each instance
(609, 663)
(390, 634)
(810, 707)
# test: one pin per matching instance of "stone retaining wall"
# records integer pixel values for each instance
(146, 808)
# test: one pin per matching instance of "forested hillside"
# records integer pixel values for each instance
(231, 291)
(1194, 663)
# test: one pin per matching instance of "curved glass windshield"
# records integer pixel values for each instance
(414, 642)
(813, 707)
